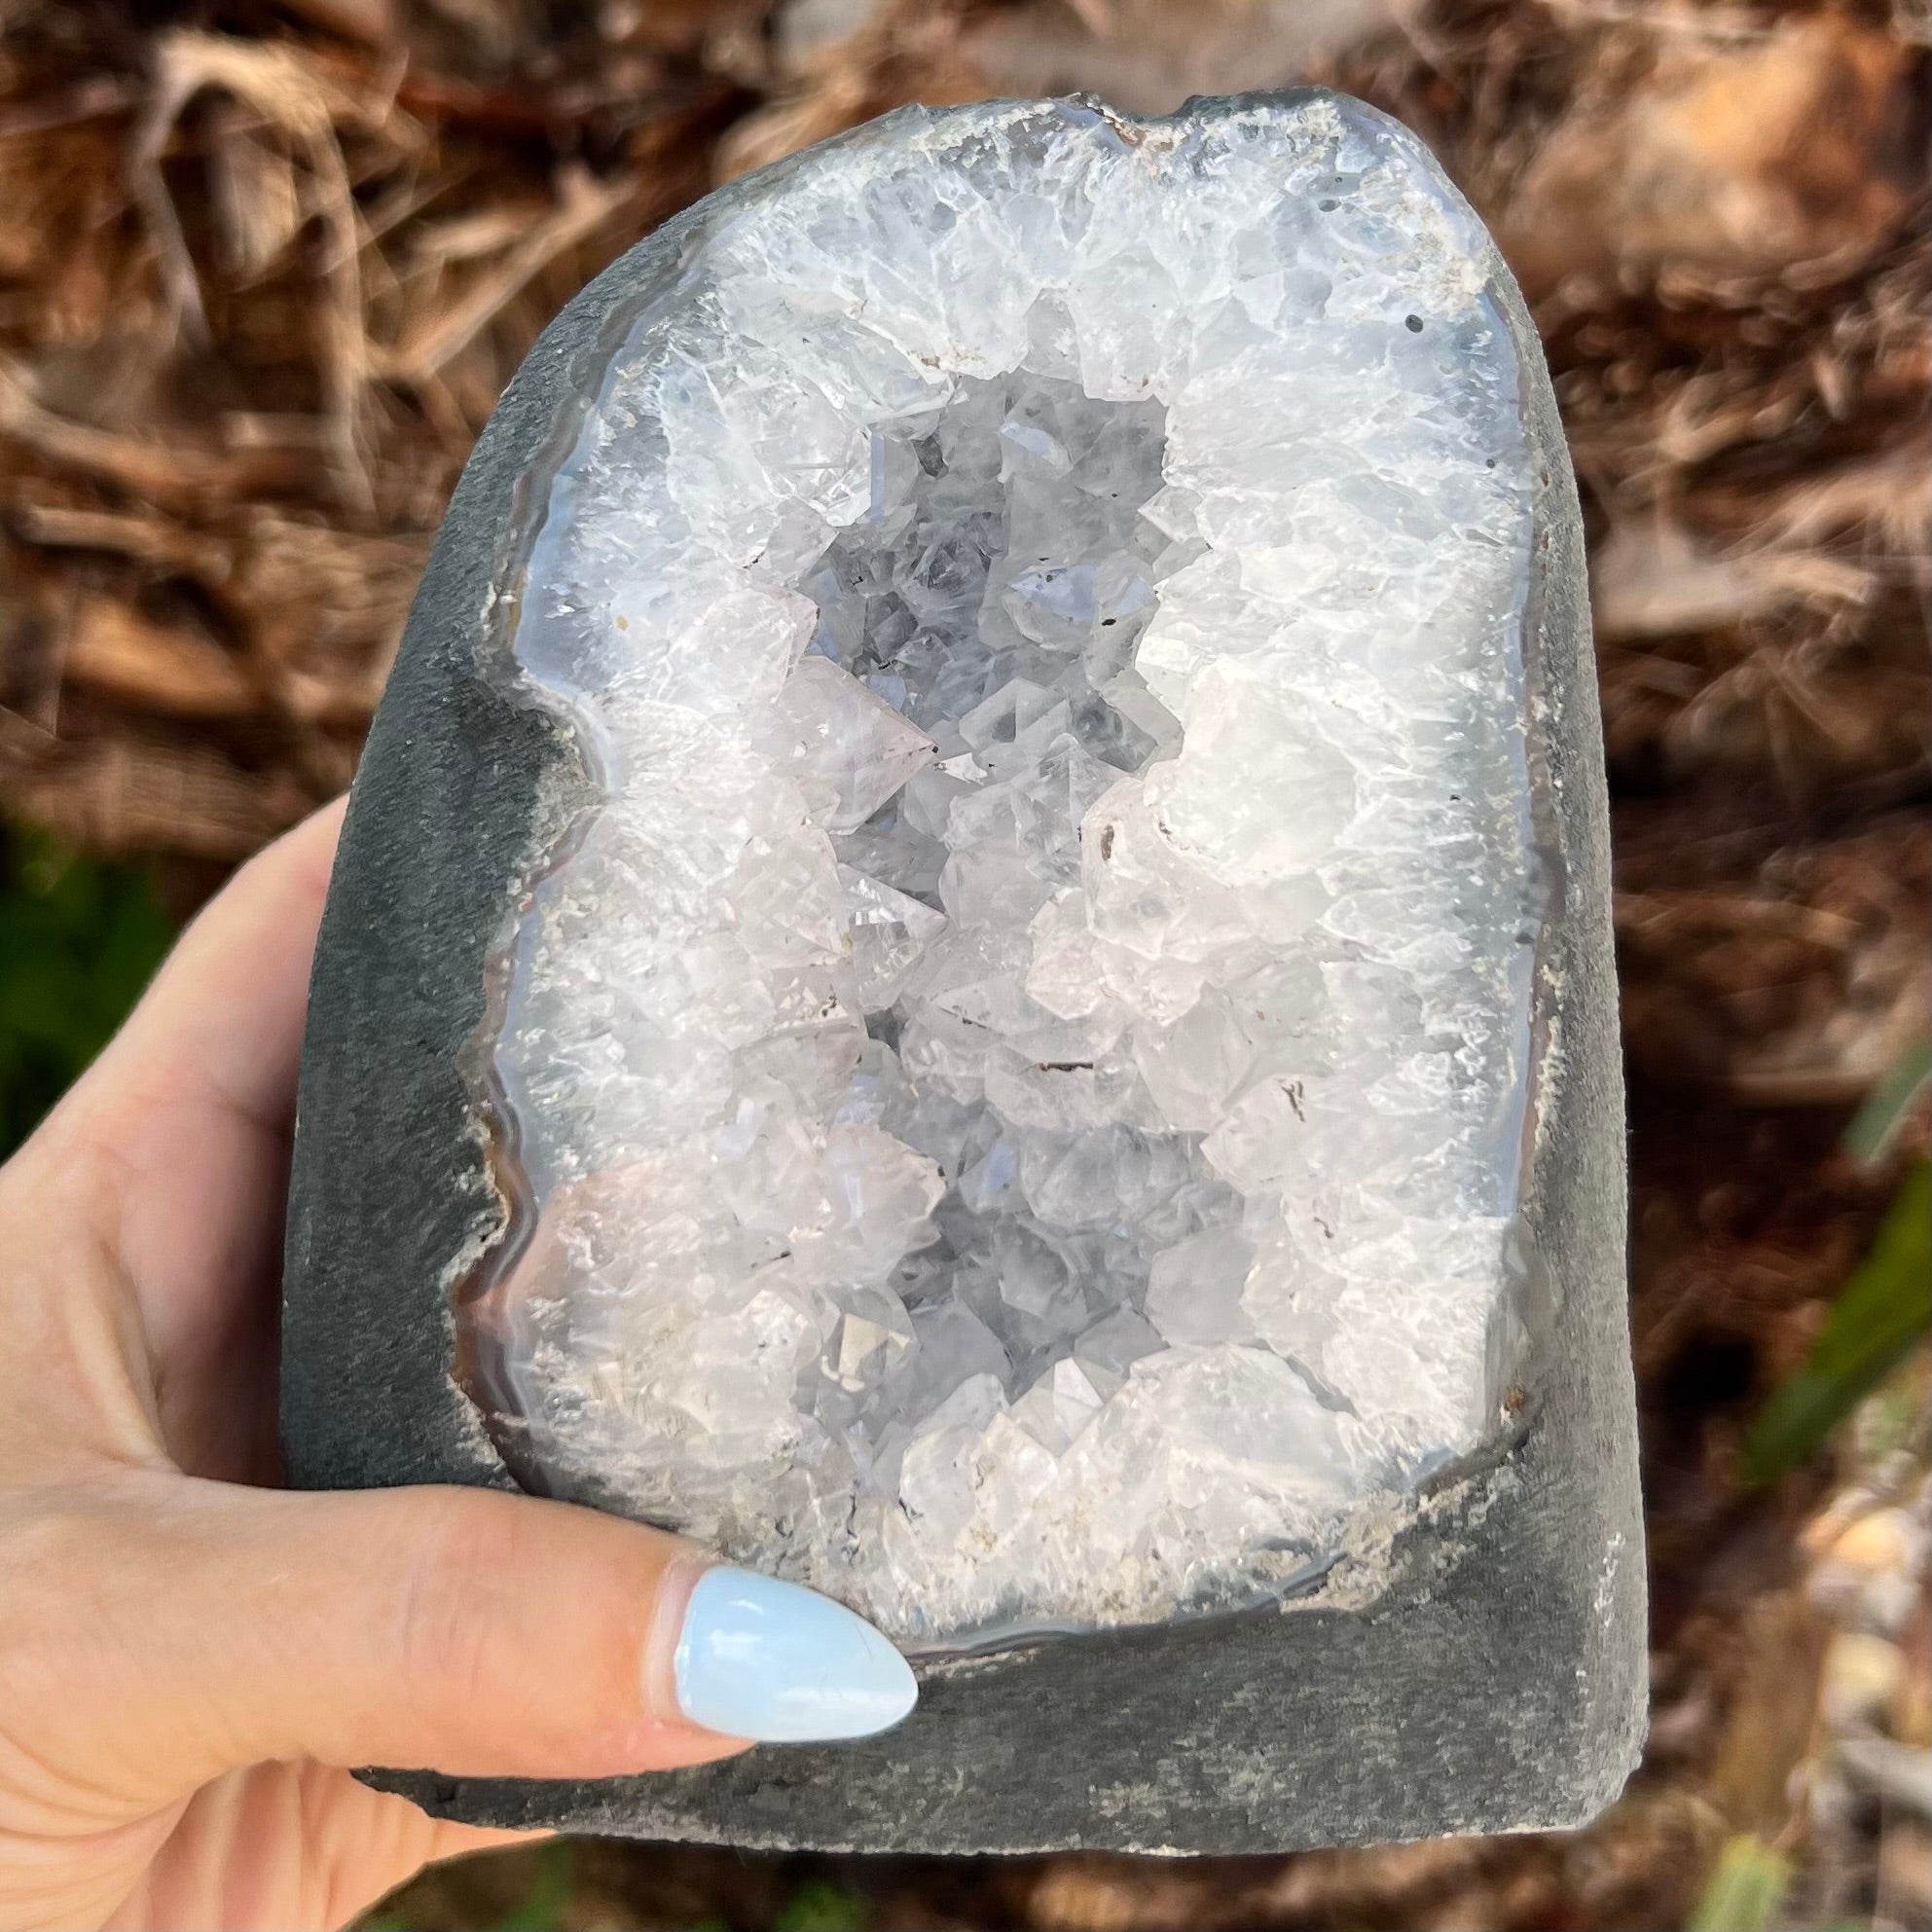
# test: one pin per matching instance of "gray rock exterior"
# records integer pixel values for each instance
(1479, 1668)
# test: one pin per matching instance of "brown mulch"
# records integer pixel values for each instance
(267, 264)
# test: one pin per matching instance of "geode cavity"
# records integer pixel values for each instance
(989, 959)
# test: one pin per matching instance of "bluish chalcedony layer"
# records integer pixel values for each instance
(1022, 1078)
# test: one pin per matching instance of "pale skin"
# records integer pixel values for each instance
(190, 1658)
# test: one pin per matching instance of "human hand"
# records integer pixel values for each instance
(188, 1659)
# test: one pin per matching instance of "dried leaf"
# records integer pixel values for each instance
(1742, 153)
(117, 652)
(1147, 56)
(1658, 582)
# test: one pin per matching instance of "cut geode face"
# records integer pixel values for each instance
(1022, 1083)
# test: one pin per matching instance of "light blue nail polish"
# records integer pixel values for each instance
(767, 1661)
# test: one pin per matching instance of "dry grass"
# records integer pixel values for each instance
(267, 266)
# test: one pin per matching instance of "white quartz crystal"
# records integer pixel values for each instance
(1022, 1079)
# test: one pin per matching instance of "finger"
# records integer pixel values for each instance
(226, 1862)
(221, 1026)
(465, 1631)
(170, 1154)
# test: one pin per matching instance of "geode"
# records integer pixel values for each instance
(971, 963)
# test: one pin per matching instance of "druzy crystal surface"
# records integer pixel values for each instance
(1020, 1083)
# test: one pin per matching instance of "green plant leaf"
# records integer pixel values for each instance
(1745, 1891)
(819, 1905)
(543, 1908)
(1881, 1312)
(1876, 1123)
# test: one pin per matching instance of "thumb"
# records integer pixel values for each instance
(204, 1627)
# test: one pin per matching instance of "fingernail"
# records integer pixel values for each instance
(771, 1662)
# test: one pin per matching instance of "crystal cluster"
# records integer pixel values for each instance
(1024, 1075)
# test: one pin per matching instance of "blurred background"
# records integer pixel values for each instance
(264, 265)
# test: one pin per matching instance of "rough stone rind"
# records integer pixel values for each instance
(1496, 1678)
